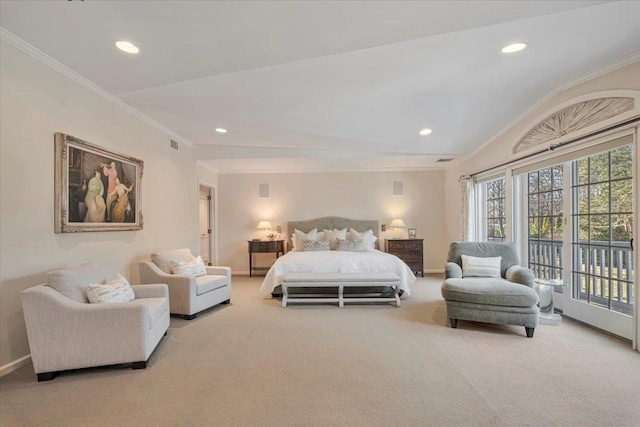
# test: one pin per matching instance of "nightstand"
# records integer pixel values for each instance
(264, 246)
(408, 250)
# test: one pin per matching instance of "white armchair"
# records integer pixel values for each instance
(188, 295)
(66, 332)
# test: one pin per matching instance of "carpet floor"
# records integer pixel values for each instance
(253, 363)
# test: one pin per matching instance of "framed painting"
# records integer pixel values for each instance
(412, 233)
(95, 189)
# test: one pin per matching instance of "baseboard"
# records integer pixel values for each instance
(16, 364)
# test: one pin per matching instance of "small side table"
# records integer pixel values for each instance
(264, 246)
(545, 289)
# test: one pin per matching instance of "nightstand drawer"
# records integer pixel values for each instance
(405, 245)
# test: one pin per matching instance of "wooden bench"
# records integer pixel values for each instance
(339, 281)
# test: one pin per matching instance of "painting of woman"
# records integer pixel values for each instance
(94, 200)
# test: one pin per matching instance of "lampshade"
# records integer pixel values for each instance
(397, 223)
(264, 225)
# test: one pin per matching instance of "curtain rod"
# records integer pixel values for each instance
(553, 147)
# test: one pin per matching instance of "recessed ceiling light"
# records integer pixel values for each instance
(513, 48)
(221, 130)
(127, 47)
(425, 131)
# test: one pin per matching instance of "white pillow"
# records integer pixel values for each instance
(117, 289)
(480, 267)
(315, 245)
(368, 238)
(298, 237)
(350, 246)
(333, 235)
(195, 267)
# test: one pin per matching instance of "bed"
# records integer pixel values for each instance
(335, 261)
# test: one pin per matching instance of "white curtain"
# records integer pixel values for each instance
(468, 214)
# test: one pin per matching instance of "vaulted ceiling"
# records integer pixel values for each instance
(325, 85)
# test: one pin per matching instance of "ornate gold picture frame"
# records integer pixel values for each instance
(95, 189)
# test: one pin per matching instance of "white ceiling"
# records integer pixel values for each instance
(330, 85)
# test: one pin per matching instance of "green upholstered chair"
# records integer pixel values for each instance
(509, 299)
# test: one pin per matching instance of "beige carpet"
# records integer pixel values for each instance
(253, 363)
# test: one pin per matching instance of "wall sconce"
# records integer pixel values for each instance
(266, 225)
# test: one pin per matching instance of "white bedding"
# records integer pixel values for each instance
(337, 262)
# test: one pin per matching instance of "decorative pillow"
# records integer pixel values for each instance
(117, 289)
(73, 282)
(315, 245)
(368, 238)
(163, 259)
(349, 246)
(195, 267)
(333, 235)
(480, 267)
(298, 237)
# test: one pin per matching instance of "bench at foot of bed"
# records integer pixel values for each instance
(339, 281)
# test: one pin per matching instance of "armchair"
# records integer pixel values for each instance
(509, 299)
(188, 295)
(66, 332)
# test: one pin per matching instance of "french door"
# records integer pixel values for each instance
(579, 228)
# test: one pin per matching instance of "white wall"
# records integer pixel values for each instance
(35, 103)
(300, 196)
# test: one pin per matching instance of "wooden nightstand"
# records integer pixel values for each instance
(264, 246)
(408, 250)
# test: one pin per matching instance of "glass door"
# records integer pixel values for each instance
(601, 241)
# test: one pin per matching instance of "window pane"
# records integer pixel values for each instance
(621, 163)
(545, 228)
(599, 229)
(583, 200)
(557, 228)
(583, 170)
(556, 197)
(583, 228)
(545, 204)
(599, 167)
(557, 177)
(622, 196)
(534, 227)
(621, 228)
(533, 205)
(545, 179)
(599, 197)
(533, 182)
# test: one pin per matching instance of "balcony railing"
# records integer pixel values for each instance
(602, 271)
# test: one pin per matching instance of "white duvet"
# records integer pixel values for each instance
(337, 262)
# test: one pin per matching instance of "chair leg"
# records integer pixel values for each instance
(140, 365)
(189, 316)
(454, 323)
(47, 376)
(529, 332)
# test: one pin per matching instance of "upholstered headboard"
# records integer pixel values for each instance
(330, 222)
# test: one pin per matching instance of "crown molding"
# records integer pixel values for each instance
(45, 59)
(277, 171)
(207, 166)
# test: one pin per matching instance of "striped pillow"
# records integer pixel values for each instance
(116, 290)
(195, 267)
(480, 267)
